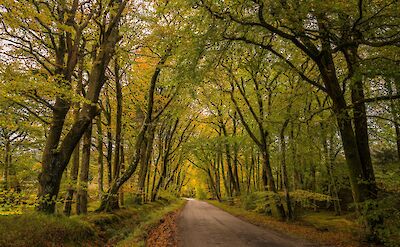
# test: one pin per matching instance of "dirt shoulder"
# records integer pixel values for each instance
(166, 233)
(156, 228)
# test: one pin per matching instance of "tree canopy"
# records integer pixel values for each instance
(294, 102)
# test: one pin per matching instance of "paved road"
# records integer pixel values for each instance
(201, 225)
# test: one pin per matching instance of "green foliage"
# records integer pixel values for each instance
(263, 202)
(388, 176)
(167, 196)
(385, 213)
(304, 196)
(14, 203)
(201, 193)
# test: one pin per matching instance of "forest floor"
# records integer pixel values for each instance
(321, 228)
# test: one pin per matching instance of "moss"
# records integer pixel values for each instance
(324, 220)
(36, 229)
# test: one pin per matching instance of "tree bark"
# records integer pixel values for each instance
(100, 160)
(285, 180)
(122, 160)
(107, 114)
(360, 120)
(145, 162)
(82, 195)
(328, 72)
(56, 155)
(7, 163)
(118, 121)
(73, 179)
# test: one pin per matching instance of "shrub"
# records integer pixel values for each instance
(201, 194)
(262, 202)
(385, 212)
(12, 202)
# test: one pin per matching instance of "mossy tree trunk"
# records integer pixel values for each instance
(57, 153)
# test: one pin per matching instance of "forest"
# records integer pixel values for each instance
(284, 113)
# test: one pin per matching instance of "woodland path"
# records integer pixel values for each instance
(201, 225)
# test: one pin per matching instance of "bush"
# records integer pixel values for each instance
(265, 201)
(308, 199)
(201, 194)
(12, 202)
(167, 196)
(261, 202)
(249, 201)
(385, 212)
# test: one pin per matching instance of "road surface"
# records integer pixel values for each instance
(201, 225)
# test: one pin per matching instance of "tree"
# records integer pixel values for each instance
(319, 33)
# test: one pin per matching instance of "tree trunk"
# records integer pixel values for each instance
(109, 201)
(109, 141)
(161, 179)
(56, 155)
(7, 164)
(329, 159)
(145, 162)
(232, 180)
(360, 187)
(118, 122)
(53, 163)
(235, 169)
(212, 184)
(360, 121)
(82, 195)
(73, 177)
(394, 110)
(100, 160)
(235, 156)
(271, 184)
(285, 180)
(224, 176)
(121, 193)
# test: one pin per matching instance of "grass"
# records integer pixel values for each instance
(94, 229)
(321, 228)
(147, 222)
(35, 229)
(327, 221)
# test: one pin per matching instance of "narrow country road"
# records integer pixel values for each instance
(201, 225)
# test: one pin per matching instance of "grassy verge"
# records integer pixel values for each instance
(149, 221)
(94, 229)
(36, 229)
(321, 228)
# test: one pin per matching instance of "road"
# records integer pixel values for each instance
(201, 224)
